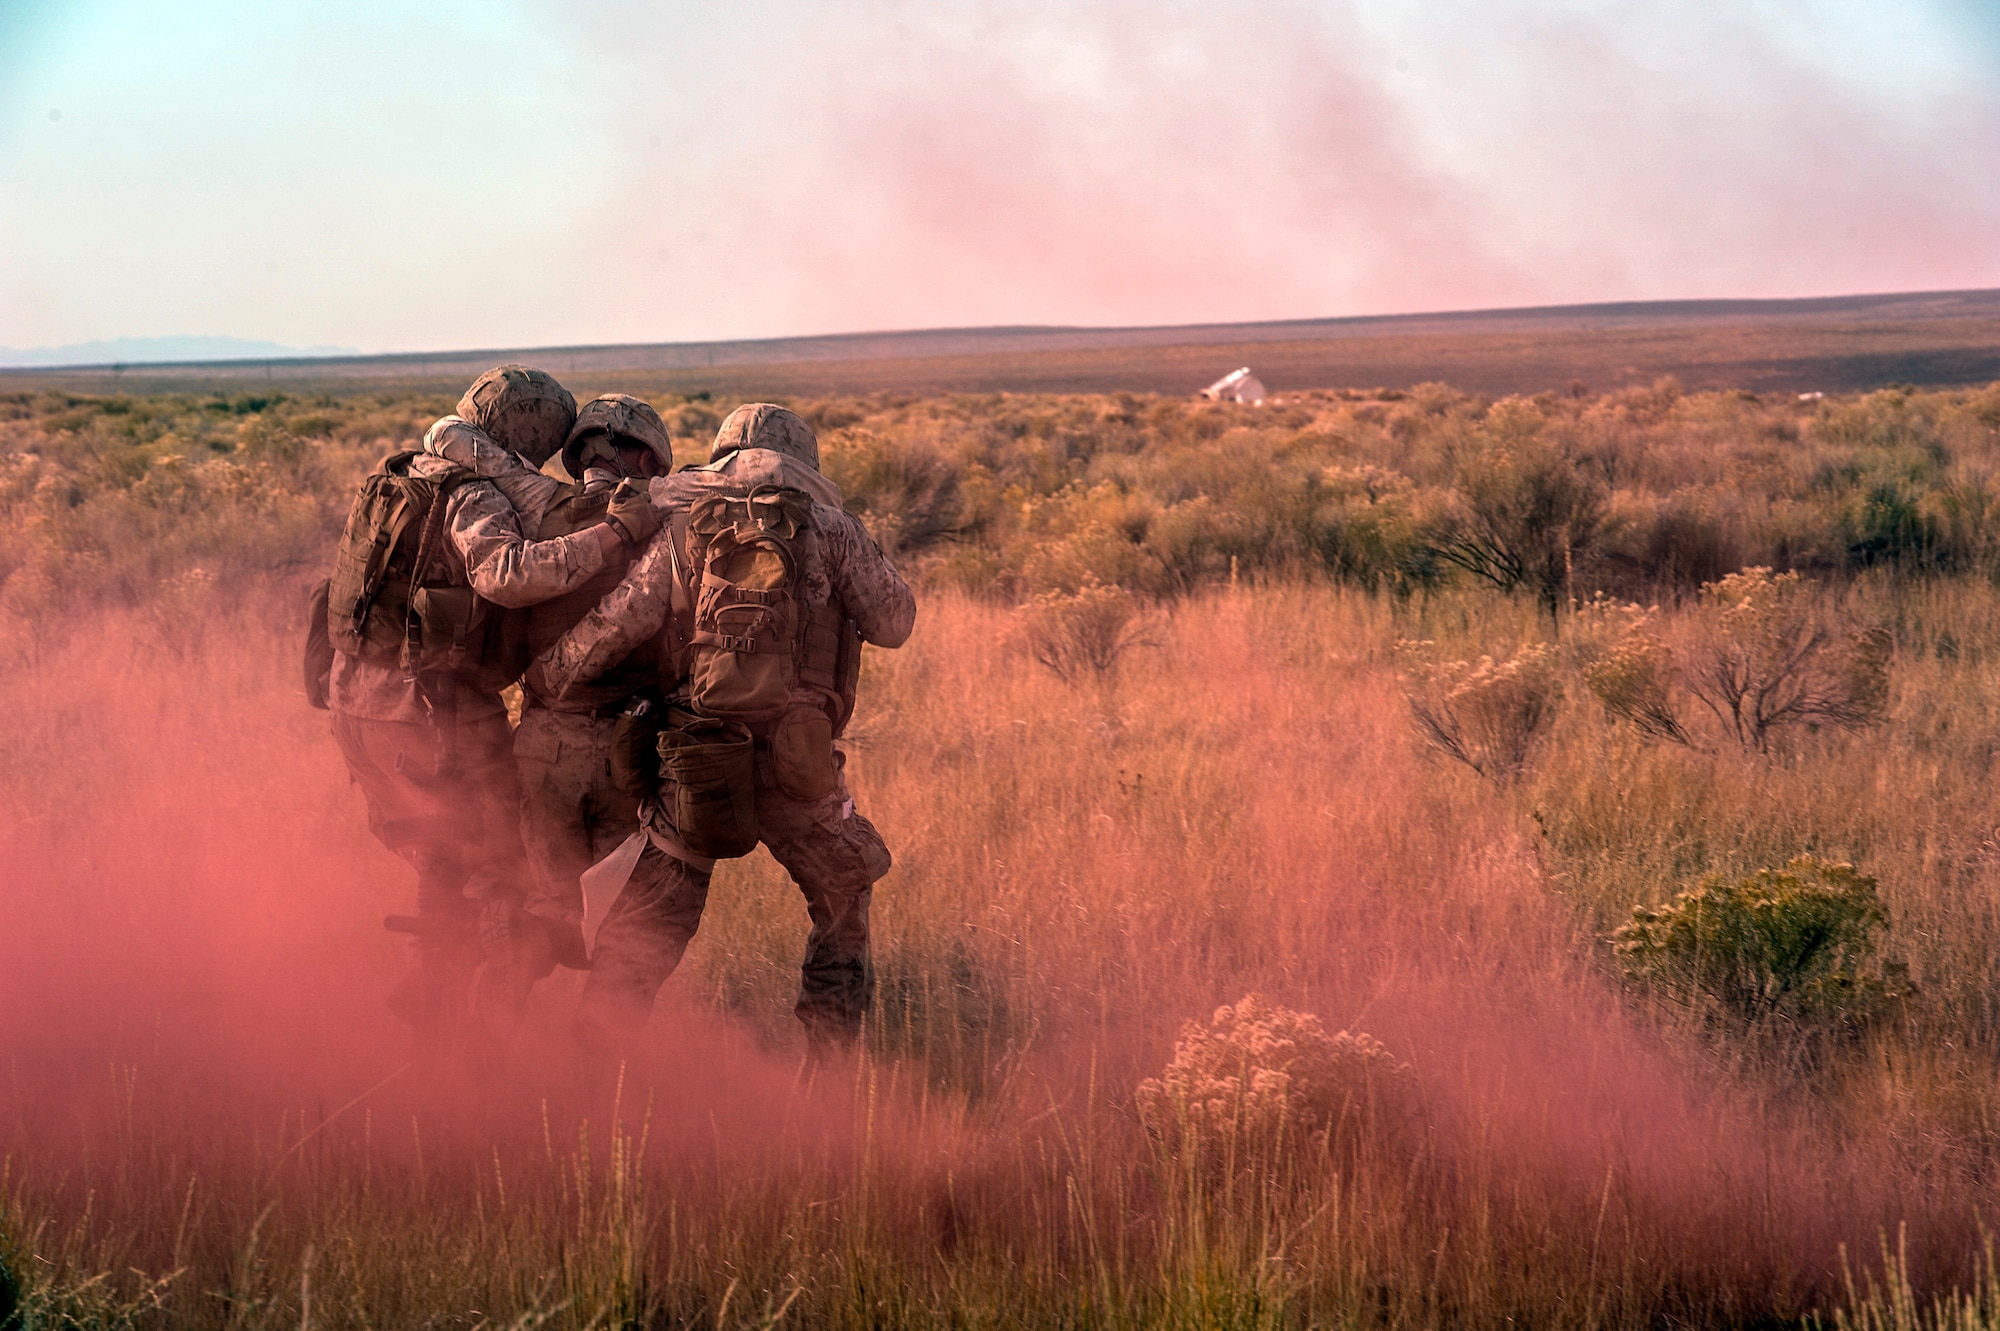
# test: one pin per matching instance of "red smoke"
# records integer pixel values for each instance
(192, 970)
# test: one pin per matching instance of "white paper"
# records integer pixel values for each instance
(604, 882)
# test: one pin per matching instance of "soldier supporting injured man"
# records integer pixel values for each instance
(765, 592)
(573, 811)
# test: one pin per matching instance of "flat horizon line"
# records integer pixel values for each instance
(1160, 334)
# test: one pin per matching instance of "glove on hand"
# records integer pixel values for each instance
(632, 512)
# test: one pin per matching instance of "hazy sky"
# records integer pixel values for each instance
(515, 172)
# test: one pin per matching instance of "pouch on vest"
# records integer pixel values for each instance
(802, 754)
(319, 648)
(635, 747)
(453, 623)
(709, 787)
(830, 661)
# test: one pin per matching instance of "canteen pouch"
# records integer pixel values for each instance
(708, 784)
(802, 755)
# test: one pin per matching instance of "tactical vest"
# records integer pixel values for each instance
(539, 626)
(386, 601)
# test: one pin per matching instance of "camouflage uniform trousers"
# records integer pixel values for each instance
(833, 854)
(573, 814)
(458, 827)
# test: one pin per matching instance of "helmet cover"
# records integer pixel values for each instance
(766, 425)
(606, 421)
(523, 409)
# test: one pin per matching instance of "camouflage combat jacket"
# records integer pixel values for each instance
(485, 550)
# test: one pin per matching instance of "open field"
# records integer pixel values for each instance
(1833, 344)
(209, 1121)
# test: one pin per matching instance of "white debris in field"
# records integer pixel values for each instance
(1812, 397)
(1236, 386)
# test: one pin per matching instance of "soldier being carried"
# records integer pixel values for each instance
(418, 656)
(573, 811)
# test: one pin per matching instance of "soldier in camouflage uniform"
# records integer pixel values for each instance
(433, 752)
(573, 813)
(833, 854)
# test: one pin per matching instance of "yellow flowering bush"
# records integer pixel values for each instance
(1487, 714)
(1257, 1079)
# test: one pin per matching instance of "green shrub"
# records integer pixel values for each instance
(1961, 517)
(1635, 680)
(1193, 540)
(1668, 546)
(1798, 942)
(904, 488)
(1885, 523)
(1892, 421)
(1371, 530)
(692, 423)
(1526, 512)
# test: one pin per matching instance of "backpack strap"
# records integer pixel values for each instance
(676, 634)
(438, 689)
(427, 539)
(677, 535)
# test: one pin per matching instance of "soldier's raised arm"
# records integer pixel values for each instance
(630, 613)
(505, 567)
(456, 439)
(880, 603)
(508, 569)
(482, 523)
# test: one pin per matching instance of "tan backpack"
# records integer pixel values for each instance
(746, 561)
(751, 641)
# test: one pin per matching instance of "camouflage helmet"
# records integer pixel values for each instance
(611, 417)
(766, 425)
(523, 409)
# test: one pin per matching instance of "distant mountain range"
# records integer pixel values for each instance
(156, 350)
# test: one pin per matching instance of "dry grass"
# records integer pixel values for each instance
(192, 974)
(208, 1120)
